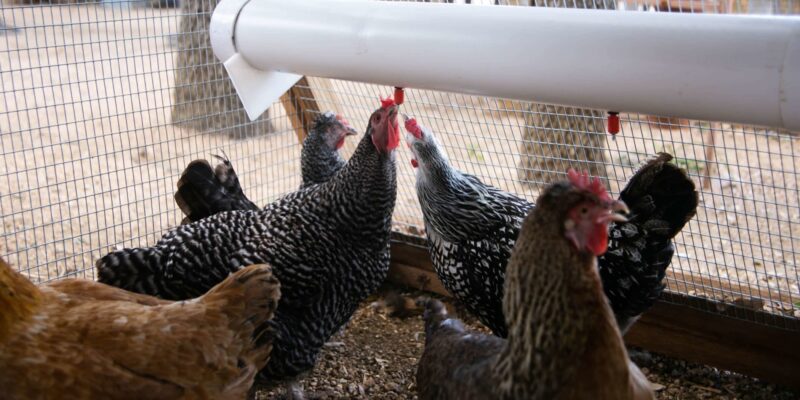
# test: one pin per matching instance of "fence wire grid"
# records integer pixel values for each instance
(105, 103)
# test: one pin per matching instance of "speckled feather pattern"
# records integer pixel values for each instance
(470, 240)
(319, 159)
(472, 228)
(328, 245)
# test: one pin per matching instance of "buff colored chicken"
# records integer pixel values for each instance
(77, 339)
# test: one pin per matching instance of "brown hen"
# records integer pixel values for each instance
(563, 340)
(77, 339)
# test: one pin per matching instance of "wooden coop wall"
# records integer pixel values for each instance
(105, 102)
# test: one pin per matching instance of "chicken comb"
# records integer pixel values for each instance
(585, 182)
(387, 102)
(342, 120)
(413, 128)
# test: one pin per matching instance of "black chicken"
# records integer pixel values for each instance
(472, 228)
(563, 340)
(204, 191)
(327, 243)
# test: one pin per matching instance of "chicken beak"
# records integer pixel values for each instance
(620, 206)
(614, 215)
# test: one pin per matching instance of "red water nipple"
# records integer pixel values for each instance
(399, 95)
(613, 122)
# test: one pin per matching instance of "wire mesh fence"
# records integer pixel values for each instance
(105, 103)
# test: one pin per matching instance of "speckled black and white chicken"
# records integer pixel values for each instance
(472, 228)
(328, 245)
(204, 191)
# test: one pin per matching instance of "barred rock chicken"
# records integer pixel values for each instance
(563, 341)
(320, 158)
(204, 191)
(472, 228)
(328, 245)
(78, 339)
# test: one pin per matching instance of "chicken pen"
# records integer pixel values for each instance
(105, 103)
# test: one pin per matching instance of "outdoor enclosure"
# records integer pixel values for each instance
(104, 104)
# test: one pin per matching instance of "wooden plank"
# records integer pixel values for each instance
(411, 266)
(677, 281)
(684, 282)
(409, 254)
(750, 348)
(326, 94)
(731, 338)
(301, 106)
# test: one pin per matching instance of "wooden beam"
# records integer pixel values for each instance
(301, 106)
(411, 266)
(677, 281)
(751, 342)
(734, 344)
(750, 296)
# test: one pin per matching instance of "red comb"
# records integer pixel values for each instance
(387, 102)
(413, 128)
(342, 120)
(583, 181)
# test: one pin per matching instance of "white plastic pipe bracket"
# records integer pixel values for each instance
(257, 89)
(222, 29)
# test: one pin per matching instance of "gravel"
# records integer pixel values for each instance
(376, 358)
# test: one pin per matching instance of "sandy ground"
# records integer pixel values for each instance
(376, 358)
(90, 157)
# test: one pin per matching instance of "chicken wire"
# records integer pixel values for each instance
(92, 149)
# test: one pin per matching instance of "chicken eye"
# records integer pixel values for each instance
(377, 118)
(584, 210)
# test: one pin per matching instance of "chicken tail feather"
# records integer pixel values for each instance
(204, 191)
(662, 191)
(662, 199)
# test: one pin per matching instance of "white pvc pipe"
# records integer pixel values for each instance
(743, 69)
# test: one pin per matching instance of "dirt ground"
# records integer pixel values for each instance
(376, 358)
